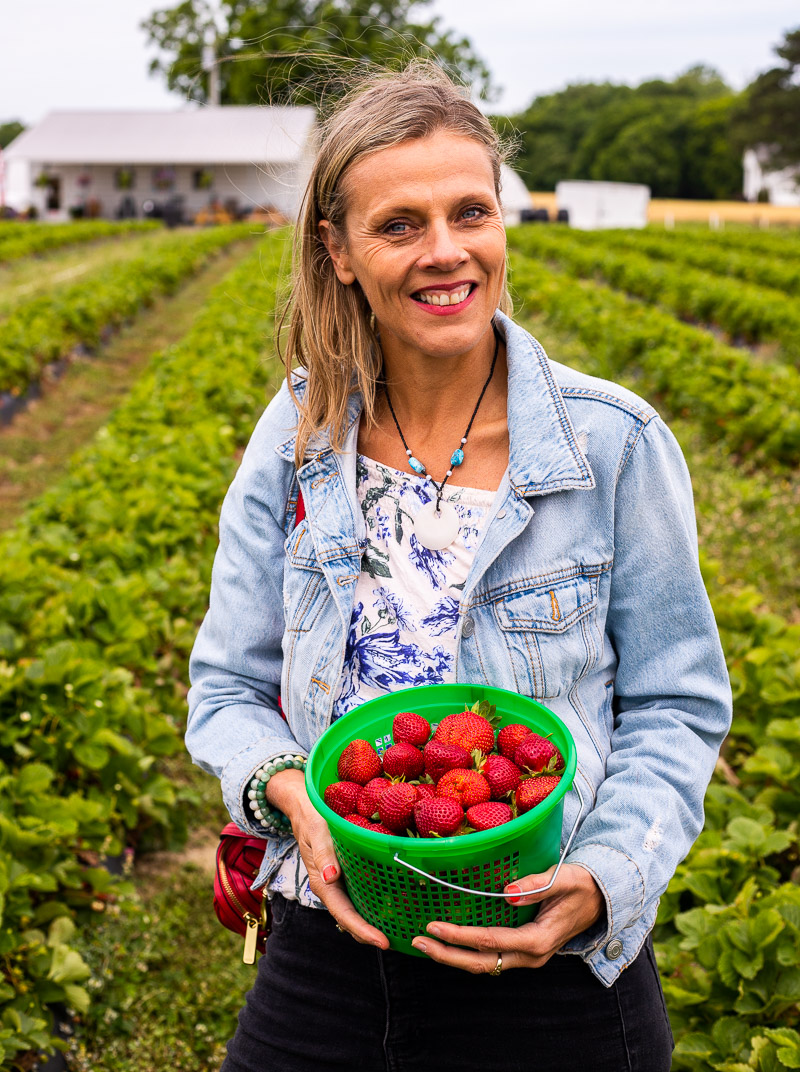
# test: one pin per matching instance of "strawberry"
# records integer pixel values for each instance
(411, 728)
(511, 737)
(491, 813)
(441, 757)
(501, 774)
(440, 816)
(425, 790)
(534, 790)
(342, 797)
(359, 820)
(396, 806)
(403, 760)
(536, 753)
(467, 730)
(367, 803)
(465, 786)
(359, 762)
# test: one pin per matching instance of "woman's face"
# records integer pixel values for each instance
(424, 238)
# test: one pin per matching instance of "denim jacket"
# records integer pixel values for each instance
(585, 593)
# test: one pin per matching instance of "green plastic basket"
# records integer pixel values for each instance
(400, 884)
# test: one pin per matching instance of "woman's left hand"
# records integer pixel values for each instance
(573, 903)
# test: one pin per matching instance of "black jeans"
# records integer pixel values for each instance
(321, 1001)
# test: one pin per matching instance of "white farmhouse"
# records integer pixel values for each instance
(113, 163)
(780, 187)
(595, 205)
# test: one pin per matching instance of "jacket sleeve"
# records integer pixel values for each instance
(672, 706)
(234, 724)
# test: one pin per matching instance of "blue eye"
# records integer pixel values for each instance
(392, 227)
(478, 212)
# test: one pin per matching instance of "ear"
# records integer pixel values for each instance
(337, 253)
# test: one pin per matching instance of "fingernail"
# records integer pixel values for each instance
(513, 900)
(434, 930)
(420, 946)
(513, 888)
(329, 873)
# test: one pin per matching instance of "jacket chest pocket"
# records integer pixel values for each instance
(549, 631)
(305, 588)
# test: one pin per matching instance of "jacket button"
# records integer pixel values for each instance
(614, 949)
(468, 628)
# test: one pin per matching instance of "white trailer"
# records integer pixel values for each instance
(596, 205)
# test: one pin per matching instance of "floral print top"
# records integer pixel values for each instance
(405, 608)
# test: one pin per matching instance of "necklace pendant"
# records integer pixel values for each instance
(457, 457)
(436, 530)
(416, 465)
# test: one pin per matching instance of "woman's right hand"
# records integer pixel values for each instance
(287, 790)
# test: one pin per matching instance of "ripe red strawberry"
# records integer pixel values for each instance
(369, 795)
(444, 757)
(403, 760)
(359, 762)
(511, 737)
(425, 790)
(438, 815)
(396, 806)
(359, 820)
(468, 730)
(536, 753)
(534, 790)
(501, 774)
(485, 816)
(412, 728)
(465, 786)
(342, 797)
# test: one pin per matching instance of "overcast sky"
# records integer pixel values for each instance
(92, 54)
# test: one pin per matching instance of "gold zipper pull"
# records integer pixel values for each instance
(264, 908)
(250, 939)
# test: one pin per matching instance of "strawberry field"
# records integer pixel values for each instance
(104, 578)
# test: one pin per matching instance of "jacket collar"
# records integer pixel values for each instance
(544, 455)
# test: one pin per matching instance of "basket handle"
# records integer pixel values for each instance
(484, 893)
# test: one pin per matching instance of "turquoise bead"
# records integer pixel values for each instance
(416, 465)
(457, 457)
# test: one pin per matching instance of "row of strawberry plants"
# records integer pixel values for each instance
(747, 404)
(764, 269)
(748, 312)
(780, 242)
(102, 584)
(27, 239)
(728, 947)
(45, 328)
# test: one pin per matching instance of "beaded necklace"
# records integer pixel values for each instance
(436, 524)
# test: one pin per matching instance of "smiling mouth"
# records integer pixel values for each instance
(444, 297)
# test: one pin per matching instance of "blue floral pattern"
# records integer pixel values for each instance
(405, 611)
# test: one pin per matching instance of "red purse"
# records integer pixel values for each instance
(239, 857)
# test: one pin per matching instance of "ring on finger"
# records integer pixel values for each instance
(498, 968)
(340, 928)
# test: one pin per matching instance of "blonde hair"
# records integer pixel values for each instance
(331, 330)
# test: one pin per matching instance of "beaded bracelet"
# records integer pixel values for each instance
(271, 818)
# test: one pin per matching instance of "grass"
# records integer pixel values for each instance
(35, 448)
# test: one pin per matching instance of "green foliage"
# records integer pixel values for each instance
(744, 310)
(19, 240)
(768, 116)
(102, 584)
(672, 136)
(47, 327)
(9, 131)
(299, 51)
(746, 404)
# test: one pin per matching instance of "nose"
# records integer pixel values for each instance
(443, 250)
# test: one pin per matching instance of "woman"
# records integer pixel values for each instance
(473, 512)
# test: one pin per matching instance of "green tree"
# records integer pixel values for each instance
(294, 51)
(9, 131)
(770, 112)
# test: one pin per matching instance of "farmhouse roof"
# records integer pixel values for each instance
(207, 135)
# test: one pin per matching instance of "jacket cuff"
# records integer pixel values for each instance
(239, 771)
(622, 886)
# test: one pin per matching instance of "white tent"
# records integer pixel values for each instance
(254, 156)
(595, 205)
(514, 196)
(782, 187)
